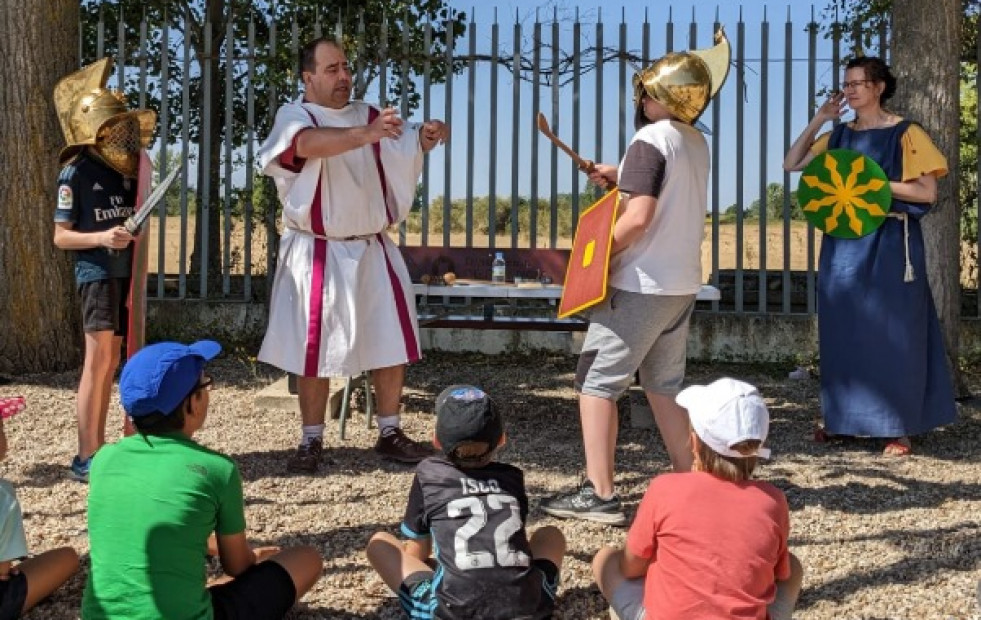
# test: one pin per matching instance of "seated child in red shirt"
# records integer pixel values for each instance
(709, 543)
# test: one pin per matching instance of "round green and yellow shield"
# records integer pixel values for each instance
(844, 194)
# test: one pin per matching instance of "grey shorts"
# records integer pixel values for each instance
(630, 333)
(628, 600)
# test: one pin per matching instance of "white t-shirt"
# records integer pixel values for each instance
(668, 160)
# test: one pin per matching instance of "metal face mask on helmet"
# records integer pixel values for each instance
(92, 115)
(118, 143)
(685, 82)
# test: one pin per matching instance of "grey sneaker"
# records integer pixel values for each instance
(394, 444)
(307, 458)
(79, 469)
(584, 503)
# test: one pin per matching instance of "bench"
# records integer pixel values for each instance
(528, 301)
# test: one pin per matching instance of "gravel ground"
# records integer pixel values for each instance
(879, 537)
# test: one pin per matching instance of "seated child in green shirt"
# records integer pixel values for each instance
(156, 497)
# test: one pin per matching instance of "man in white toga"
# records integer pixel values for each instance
(342, 300)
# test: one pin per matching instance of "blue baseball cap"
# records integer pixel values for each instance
(159, 376)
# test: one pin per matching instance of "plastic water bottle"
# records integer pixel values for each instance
(497, 269)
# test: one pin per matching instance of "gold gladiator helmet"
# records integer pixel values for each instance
(685, 82)
(92, 115)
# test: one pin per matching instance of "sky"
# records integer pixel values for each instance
(762, 111)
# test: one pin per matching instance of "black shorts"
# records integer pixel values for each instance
(13, 593)
(104, 306)
(265, 591)
(417, 594)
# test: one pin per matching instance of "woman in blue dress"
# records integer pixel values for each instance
(883, 366)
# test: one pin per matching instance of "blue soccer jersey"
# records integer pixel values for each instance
(94, 197)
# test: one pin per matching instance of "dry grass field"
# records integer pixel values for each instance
(779, 253)
(775, 247)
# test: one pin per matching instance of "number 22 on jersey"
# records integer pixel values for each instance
(466, 559)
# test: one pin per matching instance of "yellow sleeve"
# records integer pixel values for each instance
(821, 144)
(920, 155)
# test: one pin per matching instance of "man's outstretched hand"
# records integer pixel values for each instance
(432, 133)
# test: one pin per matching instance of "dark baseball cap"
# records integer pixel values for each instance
(465, 413)
(159, 376)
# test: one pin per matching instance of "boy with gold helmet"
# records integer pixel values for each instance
(655, 272)
(96, 193)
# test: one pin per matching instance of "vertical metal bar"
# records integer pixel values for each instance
(271, 232)
(599, 90)
(692, 31)
(553, 222)
(204, 209)
(143, 55)
(121, 52)
(294, 53)
(669, 32)
(764, 121)
(100, 33)
(492, 139)
(576, 115)
(812, 32)
(515, 130)
(427, 41)
(645, 45)
(360, 66)
(249, 158)
(164, 159)
(318, 29)
(447, 155)
(740, 145)
(383, 64)
(883, 41)
(472, 102)
(185, 158)
(536, 105)
(404, 102)
(716, 173)
(226, 213)
(788, 96)
(81, 41)
(622, 95)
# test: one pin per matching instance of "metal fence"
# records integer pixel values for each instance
(575, 69)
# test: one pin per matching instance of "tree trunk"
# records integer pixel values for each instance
(41, 323)
(926, 55)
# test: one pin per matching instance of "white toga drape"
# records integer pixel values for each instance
(340, 306)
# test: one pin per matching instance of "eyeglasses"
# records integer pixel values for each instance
(205, 385)
(854, 84)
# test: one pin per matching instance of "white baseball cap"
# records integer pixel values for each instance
(725, 413)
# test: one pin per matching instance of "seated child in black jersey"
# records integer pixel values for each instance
(473, 509)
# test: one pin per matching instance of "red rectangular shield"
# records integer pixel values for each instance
(589, 263)
(136, 330)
